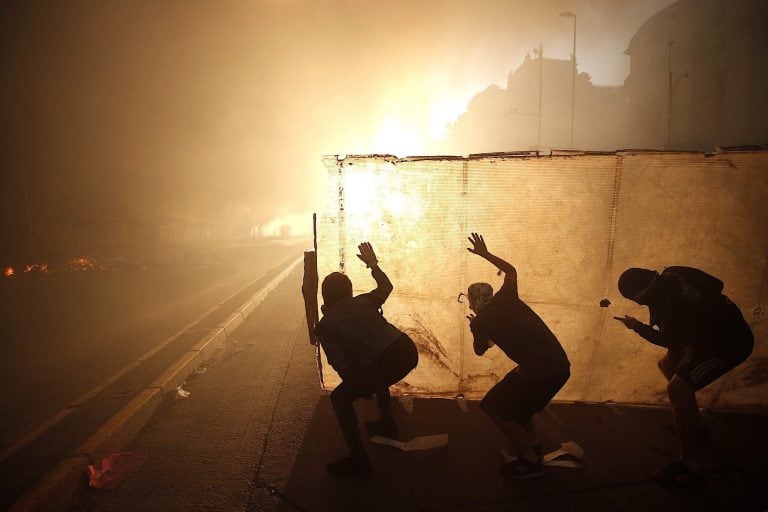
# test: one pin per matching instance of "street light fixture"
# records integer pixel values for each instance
(569, 14)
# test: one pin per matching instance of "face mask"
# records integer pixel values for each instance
(479, 294)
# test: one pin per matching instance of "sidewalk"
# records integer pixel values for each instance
(256, 432)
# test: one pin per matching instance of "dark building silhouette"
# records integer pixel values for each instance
(698, 79)
(709, 58)
(534, 111)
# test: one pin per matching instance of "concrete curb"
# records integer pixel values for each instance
(120, 429)
(57, 489)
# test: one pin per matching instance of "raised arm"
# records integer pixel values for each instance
(479, 248)
(383, 284)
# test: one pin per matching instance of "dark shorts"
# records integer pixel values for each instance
(389, 368)
(699, 369)
(726, 345)
(516, 398)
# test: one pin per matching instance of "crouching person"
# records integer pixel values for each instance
(369, 354)
(705, 335)
(542, 365)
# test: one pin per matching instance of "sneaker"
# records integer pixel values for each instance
(678, 475)
(381, 428)
(351, 466)
(522, 468)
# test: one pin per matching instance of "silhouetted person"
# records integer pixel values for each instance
(369, 354)
(542, 365)
(705, 336)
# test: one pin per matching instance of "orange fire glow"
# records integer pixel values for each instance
(9, 272)
(36, 267)
(81, 264)
(84, 264)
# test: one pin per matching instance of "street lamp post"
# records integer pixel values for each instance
(540, 52)
(671, 86)
(573, 76)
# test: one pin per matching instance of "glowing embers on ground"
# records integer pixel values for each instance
(80, 264)
(29, 268)
(36, 267)
(88, 264)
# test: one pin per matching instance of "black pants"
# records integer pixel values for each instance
(390, 367)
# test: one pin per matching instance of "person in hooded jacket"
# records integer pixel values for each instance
(705, 335)
(367, 352)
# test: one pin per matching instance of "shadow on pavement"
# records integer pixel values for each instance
(622, 446)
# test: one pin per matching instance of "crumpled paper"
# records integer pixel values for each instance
(417, 443)
(551, 459)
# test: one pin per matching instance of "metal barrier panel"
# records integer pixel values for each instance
(550, 218)
(691, 209)
(570, 224)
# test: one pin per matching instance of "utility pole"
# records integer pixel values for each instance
(540, 52)
(573, 75)
(669, 94)
(671, 86)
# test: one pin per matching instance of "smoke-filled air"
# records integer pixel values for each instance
(210, 119)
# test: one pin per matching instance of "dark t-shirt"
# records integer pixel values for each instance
(517, 330)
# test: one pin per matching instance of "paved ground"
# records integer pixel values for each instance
(51, 379)
(65, 332)
(256, 433)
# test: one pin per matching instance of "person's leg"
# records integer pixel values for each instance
(667, 366)
(522, 437)
(385, 425)
(696, 371)
(342, 399)
(529, 462)
(531, 431)
(686, 472)
(390, 367)
(511, 404)
(682, 397)
(384, 400)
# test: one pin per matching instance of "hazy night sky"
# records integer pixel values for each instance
(199, 109)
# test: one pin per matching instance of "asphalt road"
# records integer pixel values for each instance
(256, 433)
(66, 332)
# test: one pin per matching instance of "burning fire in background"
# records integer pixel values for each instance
(36, 267)
(81, 264)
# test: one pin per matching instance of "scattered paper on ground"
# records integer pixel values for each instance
(552, 459)
(417, 443)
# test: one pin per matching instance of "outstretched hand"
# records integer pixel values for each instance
(629, 321)
(367, 255)
(478, 245)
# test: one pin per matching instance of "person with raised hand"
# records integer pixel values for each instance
(502, 319)
(367, 352)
